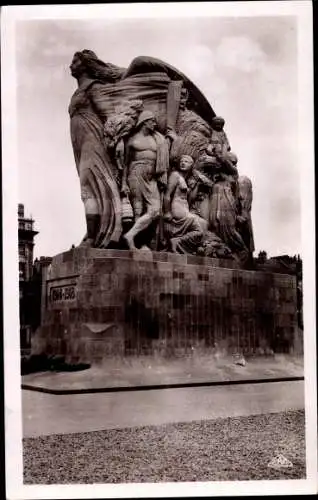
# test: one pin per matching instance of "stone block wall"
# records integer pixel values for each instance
(100, 303)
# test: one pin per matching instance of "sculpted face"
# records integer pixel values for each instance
(77, 67)
(150, 124)
(218, 123)
(186, 163)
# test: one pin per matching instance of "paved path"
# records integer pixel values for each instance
(151, 371)
(45, 414)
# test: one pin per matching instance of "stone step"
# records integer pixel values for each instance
(149, 256)
(144, 255)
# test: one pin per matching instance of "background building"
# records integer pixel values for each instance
(26, 244)
(26, 234)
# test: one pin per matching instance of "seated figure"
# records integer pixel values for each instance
(184, 229)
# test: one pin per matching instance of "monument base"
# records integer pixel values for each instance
(100, 303)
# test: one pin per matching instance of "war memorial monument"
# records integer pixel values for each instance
(166, 264)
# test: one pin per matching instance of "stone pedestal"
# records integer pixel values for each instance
(99, 303)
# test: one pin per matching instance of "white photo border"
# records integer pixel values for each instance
(13, 424)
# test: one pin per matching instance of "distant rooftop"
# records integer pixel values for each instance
(21, 210)
(21, 214)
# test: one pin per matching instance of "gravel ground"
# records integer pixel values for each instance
(231, 449)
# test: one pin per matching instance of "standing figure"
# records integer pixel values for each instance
(88, 111)
(118, 126)
(244, 218)
(224, 207)
(147, 161)
(184, 228)
(219, 144)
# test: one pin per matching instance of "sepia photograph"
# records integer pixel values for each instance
(159, 250)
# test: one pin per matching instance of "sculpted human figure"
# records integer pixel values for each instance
(102, 88)
(147, 160)
(244, 219)
(224, 207)
(219, 144)
(184, 229)
(88, 111)
(121, 157)
(118, 126)
(200, 188)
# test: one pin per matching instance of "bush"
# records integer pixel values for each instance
(42, 362)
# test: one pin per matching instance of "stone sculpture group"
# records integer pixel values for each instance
(155, 165)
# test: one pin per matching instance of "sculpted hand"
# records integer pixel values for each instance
(171, 134)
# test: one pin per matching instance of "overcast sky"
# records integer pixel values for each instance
(247, 69)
